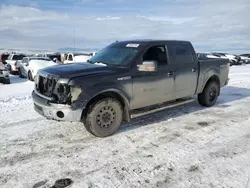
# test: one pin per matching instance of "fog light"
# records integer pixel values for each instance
(60, 114)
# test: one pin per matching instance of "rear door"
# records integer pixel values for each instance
(150, 88)
(185, 69)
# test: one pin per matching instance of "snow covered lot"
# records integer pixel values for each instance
(182, 147)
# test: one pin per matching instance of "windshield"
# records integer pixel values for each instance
(114, 56)
(18, 57)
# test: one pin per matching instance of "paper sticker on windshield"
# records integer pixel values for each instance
(133, 45)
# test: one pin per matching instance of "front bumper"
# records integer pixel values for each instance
(53, 111)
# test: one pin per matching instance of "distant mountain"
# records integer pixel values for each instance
(23, 50)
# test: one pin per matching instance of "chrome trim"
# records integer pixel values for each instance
(43, 96)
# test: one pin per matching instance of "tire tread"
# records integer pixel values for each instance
(90, 115)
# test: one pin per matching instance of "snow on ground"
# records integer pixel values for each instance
(182, 147)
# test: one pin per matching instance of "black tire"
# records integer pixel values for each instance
(30, 76)
(209, 95)
(104, 117)
(86, 126)
(20, 73)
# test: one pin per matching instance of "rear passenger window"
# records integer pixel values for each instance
(181, 53)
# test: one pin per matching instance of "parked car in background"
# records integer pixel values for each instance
(56, 57)
(234, 59)
(29, 66)
(223, 56)
(3, 57)
(203, 56)
(77, 57)
(245, 58)
(127, 76)
(12, 61)
(4, 74)
(220, 55)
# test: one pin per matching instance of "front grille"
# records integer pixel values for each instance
(46, 85)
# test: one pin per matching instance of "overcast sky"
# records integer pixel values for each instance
(212, 25)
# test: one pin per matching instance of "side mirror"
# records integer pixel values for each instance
(4, 62)
(148, 66)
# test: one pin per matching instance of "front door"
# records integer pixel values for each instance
(150, 88)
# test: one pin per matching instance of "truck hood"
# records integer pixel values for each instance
(69, 71)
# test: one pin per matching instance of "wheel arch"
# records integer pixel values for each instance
(212, 78)
(113, 93)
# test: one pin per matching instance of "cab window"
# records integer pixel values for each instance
(156, 53)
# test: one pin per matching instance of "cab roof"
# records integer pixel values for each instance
(146, 41)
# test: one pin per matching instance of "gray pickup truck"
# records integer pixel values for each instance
(123, 77)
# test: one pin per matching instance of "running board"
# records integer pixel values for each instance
(161, 107)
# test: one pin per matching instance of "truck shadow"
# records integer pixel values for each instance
(228, 94)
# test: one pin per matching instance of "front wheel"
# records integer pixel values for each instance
(20, 73)
(104, 117)
(209, 95)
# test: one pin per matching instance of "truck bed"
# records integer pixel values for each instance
(219, 67)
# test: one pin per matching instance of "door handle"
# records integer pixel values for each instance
(194, 70)
(170, 73)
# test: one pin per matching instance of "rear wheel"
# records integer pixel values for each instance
(104, 117)
(209, 95)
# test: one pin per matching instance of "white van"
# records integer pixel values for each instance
(77, 57)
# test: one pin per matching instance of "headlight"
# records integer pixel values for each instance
(63, 89)
(63, 93)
